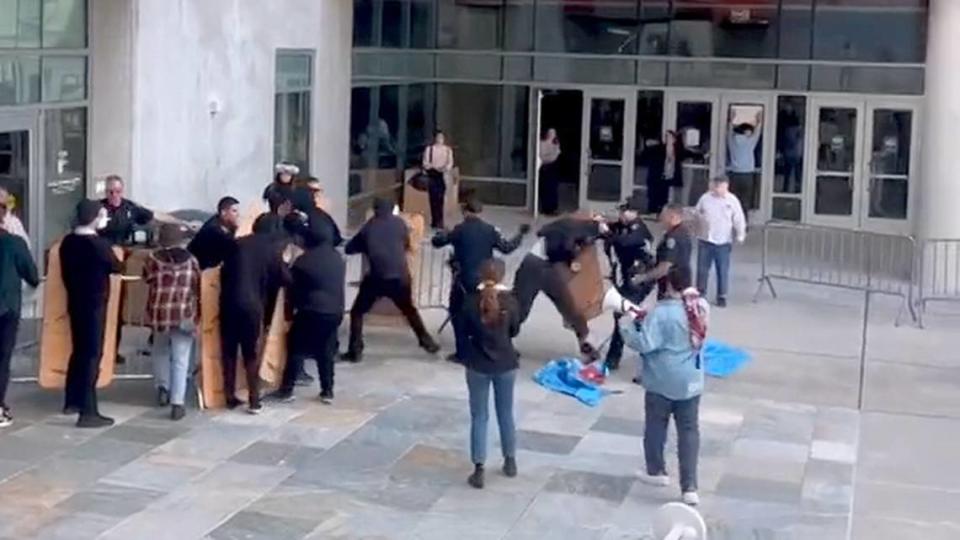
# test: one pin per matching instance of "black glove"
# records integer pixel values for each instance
(524, 229)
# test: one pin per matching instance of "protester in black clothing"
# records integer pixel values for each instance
(86, 262)
(283, 181)
(473, 242)
(549, 268)
(630, 240)
(384, 240)
(215, 239)
(305, 206)
(316, 297)
(674, 249)
(124, 215)
(252, 273)
(16, 268)
(491, 319)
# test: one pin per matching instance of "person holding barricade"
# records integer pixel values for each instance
(384, 240)
(473, 242)
(88, 261)
(670, 340)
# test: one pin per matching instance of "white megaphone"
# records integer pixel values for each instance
(615, 302)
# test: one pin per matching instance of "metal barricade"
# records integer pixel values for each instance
(939, 273)
(843, 258)
(434, 277)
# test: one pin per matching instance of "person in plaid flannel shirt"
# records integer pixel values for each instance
(173, 311)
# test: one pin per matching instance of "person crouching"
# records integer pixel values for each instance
(670, 340)
(491, 320)
(173, 311)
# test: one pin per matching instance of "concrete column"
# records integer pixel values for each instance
(939, 188)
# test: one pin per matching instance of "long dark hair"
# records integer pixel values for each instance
(491, 275)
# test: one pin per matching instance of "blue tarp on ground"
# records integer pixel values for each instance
(723, 360)
(563, 376)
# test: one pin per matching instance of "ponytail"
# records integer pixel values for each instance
(490, 312)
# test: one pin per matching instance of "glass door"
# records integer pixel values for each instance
(836, 163)
(18, 147)
(693, 120)
(889, 166)
(607, 164)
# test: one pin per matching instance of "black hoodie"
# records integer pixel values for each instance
(384, 240)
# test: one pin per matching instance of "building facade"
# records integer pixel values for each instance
(188, 100)
(845, 96)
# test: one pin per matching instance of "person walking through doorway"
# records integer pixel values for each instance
(721, 223)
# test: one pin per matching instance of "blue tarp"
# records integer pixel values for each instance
(563, 376)
(723, 360)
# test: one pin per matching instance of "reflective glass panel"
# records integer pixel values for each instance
(606, 128)
(64, 78)
(518, 25)
(513, 129)
(292, 129)
(65, 156)
(838, 138)
(388, 128)
(394, 25)
(604, 183)
(422, 25)
(469, 25)
(649, 131)
(471, 140)
(363, 23)
(791, 130)
(64, 24)
(19, 24)
(834, 196)
(870, 30)
(702, 28)
(890, 163)
(600, 26)
(15, 170)
(19, 80)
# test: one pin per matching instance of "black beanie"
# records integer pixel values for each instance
(87, 212)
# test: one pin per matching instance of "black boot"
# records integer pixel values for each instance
(476, 479)
(510, 467)
(428, 344)
(94, 421)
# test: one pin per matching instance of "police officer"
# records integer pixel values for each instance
(473, 242)
(631, 242)
(674, 249)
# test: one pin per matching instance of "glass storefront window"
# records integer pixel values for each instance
(19, 80)
(870, 30)
(393, 29)
(601, 26)
(387, 129)
(292, 109)
(788, 166)
(518, 25)
(649, 132)
(513, 127)
(468, 24)
(15, 170)
(65, 157)
(422, 25)
(64, 78)
(796, 28)
(20, 25)
(363, 23)
(471, 138)
(700, 29)
(890, 163)
(64, 24)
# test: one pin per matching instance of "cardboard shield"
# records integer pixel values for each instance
(56, 342)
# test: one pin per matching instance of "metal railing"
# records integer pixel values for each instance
(938, 272)
(434, 277)
(842, 258)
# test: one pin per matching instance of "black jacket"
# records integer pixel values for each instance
(318, 280)
(565, 237)
(253, 271)
(312, 224)
(212, 243)
(123, 218)
(473, 242)
(630, 242)
(86, 262)
(287, 190)
(384, 240)
(16, 267)
(489, 349)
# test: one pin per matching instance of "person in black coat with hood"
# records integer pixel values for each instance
(384, 240)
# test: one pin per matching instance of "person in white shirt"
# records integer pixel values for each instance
(721, 223)
(12, 223)
(437, 163)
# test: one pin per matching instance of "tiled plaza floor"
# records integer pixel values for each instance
(389, 460)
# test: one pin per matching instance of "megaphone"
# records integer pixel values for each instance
(615, 302)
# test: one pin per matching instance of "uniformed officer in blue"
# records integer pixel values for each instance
(631, 241)
(674, 249)
(473, 242)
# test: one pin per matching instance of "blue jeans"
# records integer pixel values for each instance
(478, 386)
(172, 351)
(709, 254)
(686, 414)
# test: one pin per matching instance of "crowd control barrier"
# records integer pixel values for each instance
(938, 272)
(842, 258)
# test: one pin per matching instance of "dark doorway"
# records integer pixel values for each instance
(561, 111)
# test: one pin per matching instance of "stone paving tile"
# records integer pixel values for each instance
(108, 450)
(601, 486)
(833, 451)
(766, 469)
(779, 422)
(254, 526)
(109, 500)
(759, 489)
(620, 426)
(749, 449)
(157, 472)
(10, 468)
(611, 443)
(297, 502)
(358, 520)
(145, 434)
(548, 443)
(214, 443)
(563, 516)
(264, 453)
(73, 526)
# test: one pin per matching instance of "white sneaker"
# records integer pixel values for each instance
(658, 480)
(5, 419)
(691, 498)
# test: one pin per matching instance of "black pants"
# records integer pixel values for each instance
(744, 186)
(658, 195)
(437, 191)
(535, 275)
(86, 329)
(241, 329)
(373, 289)
(458, 294)
(312, 335)
(9, 323)
(549, 189)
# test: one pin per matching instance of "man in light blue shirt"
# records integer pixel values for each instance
(669, 340)
(742, 140)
